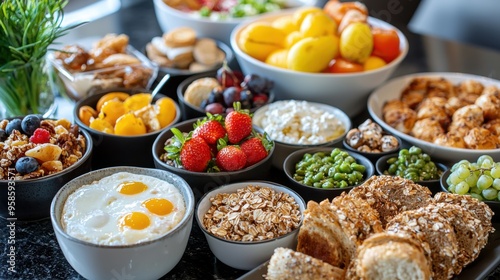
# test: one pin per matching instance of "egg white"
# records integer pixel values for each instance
(93, 212)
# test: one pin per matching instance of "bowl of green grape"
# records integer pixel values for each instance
(413, 164)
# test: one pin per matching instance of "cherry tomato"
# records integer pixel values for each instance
(385, 44)
(340, 65)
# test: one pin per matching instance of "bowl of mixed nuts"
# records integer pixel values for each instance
(244, 222)
(38, 156)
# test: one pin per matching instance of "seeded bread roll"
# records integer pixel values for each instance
(436, 235)
(467, 229)
(391, 195)
(390, 256)
(286, 264)
(321, 236)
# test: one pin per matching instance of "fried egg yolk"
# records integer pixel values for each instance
(159, 206)
(135, 220)
(132, 188)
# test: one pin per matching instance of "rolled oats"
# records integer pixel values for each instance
(252, 213)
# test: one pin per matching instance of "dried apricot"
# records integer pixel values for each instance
(101, 125)
(137, 101)
(166, 111)
(112, 110)
(86, 113)
(129, 124)
(121, 96)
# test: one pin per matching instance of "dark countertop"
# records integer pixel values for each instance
(37, 253)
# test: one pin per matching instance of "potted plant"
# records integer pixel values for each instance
(27, 30)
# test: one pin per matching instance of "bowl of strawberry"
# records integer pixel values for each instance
(214, 150)
(216, 93)
(38, 156)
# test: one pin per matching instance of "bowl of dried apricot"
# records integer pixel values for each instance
(38, 157)
(124, 124)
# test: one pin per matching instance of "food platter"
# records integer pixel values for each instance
(486, 262)
(392, 90)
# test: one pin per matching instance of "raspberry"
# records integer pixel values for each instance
(40, 136)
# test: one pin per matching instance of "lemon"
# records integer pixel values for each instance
(137, 101)
(374, 62)
(356, 42)
(285, 24)
(166, 111)
(112, 110)
(293, 38)
(301, 13)
(278, 58)
(129, 125)
(318, 24)
(260, 39)
(312, 54)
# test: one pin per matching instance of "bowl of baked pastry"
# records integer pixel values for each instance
(450, 116)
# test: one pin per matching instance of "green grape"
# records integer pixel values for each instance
(484, 182)
(496, 184)
(462, 188)
(490, 194)
(462, 171)
(451, 188)
(454, 179)
(475, 190)
(477, 196)
(458, 164)
(483, 158)
(487, 164)
(495, 171)
(472, 179)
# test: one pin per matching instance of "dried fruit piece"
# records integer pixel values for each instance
(129, 124)
(45, 152)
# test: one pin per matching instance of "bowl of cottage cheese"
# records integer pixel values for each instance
(298, 124)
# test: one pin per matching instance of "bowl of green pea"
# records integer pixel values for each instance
(412, 163)
(324, 172)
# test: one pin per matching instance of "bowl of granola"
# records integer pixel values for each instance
(38, 157)
(244, 222)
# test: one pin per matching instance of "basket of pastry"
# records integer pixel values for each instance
(387, 228)
(95, 64)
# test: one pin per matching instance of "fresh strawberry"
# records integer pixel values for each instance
(238, 124)
(193, 153)
(256, 148)
(231, 158)
(210, 129)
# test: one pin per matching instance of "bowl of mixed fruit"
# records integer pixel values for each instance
(217, 93)
(214, 150)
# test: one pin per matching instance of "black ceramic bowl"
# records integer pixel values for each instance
(190, 111)
(320, 194)
(202, 182)
(373, 156)
(29, 200)
(433, 185)
(116, 150)
(494, 205)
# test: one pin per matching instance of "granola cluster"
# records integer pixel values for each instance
(64, 148)
(252, 213)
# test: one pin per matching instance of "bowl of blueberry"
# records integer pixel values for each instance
(216, 94)
(38, 157)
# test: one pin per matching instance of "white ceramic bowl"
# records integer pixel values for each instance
(146, 260)
(246, 255)
(169, 18)
(282, 149)
(392, 90)
(346, 91)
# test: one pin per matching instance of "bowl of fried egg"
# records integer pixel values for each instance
(122, 220)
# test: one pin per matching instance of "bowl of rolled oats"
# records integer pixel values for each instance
(244, 222)
(37, 157)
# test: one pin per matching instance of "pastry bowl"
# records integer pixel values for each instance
(151, 257)
(202, 182)
(347, 91)
(271, 117)
(28, 199)
(392, 90)
(119, 150)
(247, 255)
(189, 110)
(320, 193)
(434, 185)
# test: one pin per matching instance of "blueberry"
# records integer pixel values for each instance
(13, 124)
(3, 135)
(26, 165)
(30, 123)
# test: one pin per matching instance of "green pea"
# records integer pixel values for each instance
(345, 168)
(392, 168)
(335, 152)
(327, 185)
(415, 150)
(318, 177)
(317, 185)
(340, 176)
(403, 152)
(298, 177)
(300, 172)
(358, 167)
(359, 175)
(392, 160)
(308, 181)
(343, 184)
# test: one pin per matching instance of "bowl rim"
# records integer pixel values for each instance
(56, 224)
(185, 83)
(159, 140)
(79, 103)
(442, 183)
(415, 141)
(323, 149)
(443, 167)
(86, 155)
(332, 109)
(275, 186)
(404, 48)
